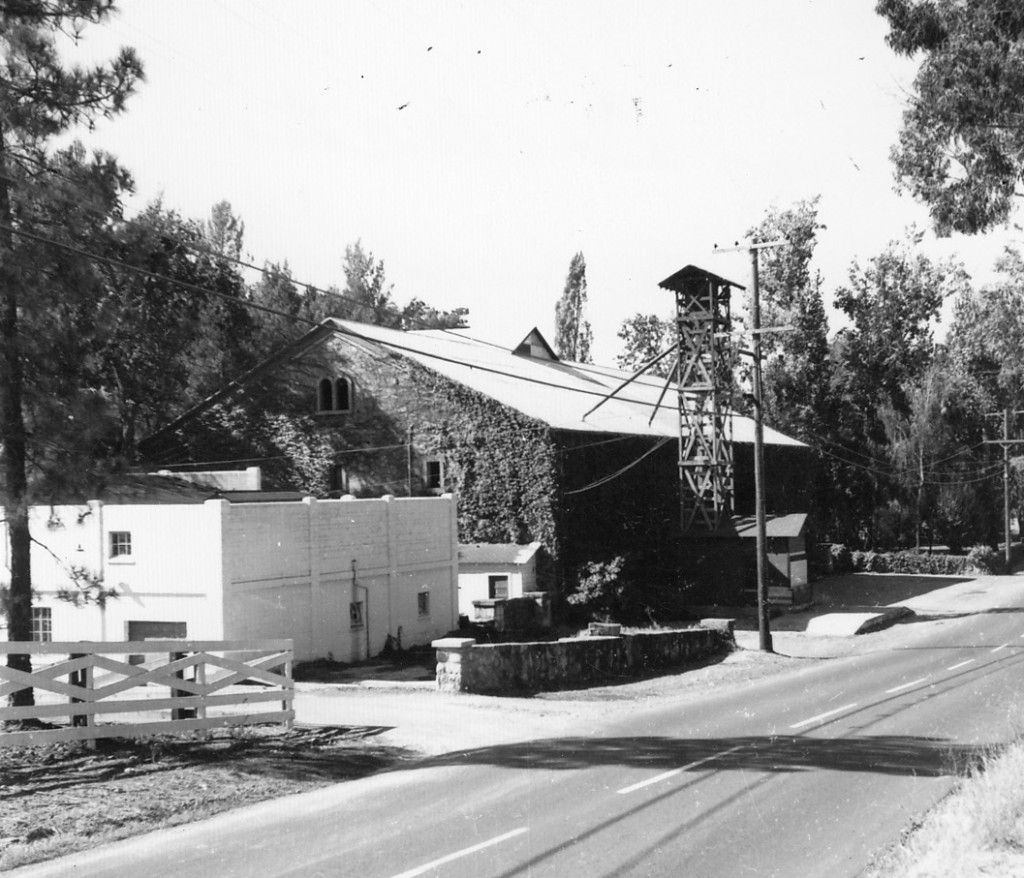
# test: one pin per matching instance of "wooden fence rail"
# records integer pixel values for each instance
(86, 690)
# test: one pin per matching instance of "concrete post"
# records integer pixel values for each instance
(454, 658)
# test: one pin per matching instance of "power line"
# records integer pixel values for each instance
(97, 209)
(621, 471)
(151, 275)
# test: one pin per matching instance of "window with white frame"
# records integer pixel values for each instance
(423, 603)
(355, 614)
(121, 544)
(334, 395)
(42, 624)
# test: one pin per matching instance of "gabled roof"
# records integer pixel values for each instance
(676, 281)
(535, 345)
(557, 393)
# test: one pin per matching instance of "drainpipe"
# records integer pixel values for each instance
(366, 606)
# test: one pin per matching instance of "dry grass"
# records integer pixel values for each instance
(977, 830)
(60, 799)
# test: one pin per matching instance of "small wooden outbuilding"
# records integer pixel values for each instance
(788, 580)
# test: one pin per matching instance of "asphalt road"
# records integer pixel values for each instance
(806, 774)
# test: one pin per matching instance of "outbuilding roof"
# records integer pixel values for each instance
(497, 553)
(775, 526)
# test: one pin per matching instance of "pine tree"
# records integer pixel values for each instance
(40, 99)
(573, 337)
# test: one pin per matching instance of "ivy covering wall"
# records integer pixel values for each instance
(502, 464)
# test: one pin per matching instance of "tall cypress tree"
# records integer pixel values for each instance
(40, 99)
(572, 332)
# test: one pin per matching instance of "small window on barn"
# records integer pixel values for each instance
(497, 587)
(121, 544)
(342, 395)
(423, 603)
(324, 396)
(334, 395)
(355, 614)
(433, 475)
(42, 624)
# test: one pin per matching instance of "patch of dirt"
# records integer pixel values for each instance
(58, 799)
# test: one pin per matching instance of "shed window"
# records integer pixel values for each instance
(334, 395)
(423, 603)
(120, 544)
(497, 587)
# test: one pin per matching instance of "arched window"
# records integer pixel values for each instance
(342, 395)
(334, 395)
(324, 396)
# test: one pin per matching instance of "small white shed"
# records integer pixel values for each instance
(490, 572)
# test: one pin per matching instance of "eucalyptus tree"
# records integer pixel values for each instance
(961, 146)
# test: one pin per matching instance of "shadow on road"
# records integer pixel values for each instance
(877, 589)
(886, 754)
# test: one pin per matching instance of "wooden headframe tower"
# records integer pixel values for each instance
(703, 374)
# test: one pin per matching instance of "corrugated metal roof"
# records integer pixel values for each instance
(556, 393)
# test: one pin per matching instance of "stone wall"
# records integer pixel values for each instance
(463, 665)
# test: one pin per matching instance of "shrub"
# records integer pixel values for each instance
(985, 559)
(600, 589)
(840, 558)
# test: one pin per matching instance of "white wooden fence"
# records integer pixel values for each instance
(85, 690)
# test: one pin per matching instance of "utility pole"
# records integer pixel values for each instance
(763, 624)
(1006, 442)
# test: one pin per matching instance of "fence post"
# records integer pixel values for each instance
(180, 712)
(200, 678)
(289, 689)
(82, 678)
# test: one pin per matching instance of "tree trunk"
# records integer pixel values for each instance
(15, 466)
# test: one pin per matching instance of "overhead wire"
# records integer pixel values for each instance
(879, 468)
(268, 269)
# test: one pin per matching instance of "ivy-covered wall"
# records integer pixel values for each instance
(585, 496)
(502, 464)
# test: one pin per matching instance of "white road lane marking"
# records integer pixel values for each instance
(905, 686)
(465, 852)
(959, 665)
(667, 774)
(822, 716)
(1000, 647)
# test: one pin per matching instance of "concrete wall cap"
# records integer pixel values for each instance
(453, 643)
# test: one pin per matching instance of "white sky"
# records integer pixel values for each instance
(639, 133)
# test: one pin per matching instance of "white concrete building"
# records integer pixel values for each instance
(336, 576)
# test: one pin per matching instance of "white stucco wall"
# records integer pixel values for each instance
(172, 575)
(299, 566)
(244, 570)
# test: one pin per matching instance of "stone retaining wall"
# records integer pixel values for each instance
(463, 665)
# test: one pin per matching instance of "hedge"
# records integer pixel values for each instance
(979, 560)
